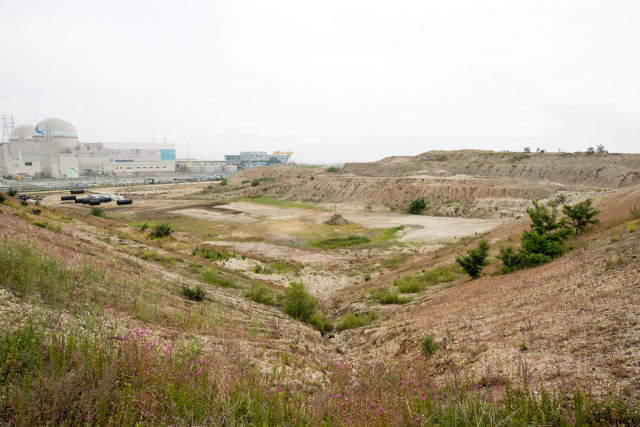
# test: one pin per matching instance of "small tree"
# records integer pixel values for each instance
(590, 150)
(12, 192)
(600, 149)
(428, 346)
(543, 242)
(475, 260)
(417, 206)
(527, 149)
(581, 215)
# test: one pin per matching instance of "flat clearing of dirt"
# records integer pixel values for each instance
(270, 250)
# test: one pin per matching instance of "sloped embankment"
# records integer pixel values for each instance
(573, 169)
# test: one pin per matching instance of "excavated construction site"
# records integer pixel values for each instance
(569, 326)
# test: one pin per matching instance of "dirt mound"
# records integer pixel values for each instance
(337, 220)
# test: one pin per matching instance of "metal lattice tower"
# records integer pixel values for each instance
(7, 127)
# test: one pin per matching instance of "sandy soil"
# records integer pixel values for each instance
(216, 216)
(269, 250)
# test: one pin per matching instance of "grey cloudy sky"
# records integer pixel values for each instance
(334, 81)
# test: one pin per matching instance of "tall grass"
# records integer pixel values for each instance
(212, 277)
(76, 379)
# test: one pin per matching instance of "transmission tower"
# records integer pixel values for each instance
(7, 127)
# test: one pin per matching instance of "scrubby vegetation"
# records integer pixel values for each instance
(384, 296)
(298, 303)
(332, 169)
(97, 211)
(213, 254)
(161, 230)
(428, 346)
(212, 277)
(582, 215)
(339, 242)
(194, 294)
(476, 259)
(260, 293)
(355, 320)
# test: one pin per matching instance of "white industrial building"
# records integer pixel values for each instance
(52, 148)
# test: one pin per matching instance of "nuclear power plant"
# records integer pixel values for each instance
(51, 149)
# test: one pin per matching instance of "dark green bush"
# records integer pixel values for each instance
(23, 203)
(582, 215)
(332, 169)
(417, 206)
(321, 323)
(3, 198)
(428, 346)
(195, 294)
(542, 243)
(475, 260)
(161, 230)
(12, 192)
(36, 211)
(255, 183)
(224, 182)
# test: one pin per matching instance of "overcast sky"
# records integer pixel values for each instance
(334, 81)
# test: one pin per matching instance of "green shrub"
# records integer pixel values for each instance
(581, 215)
(367, 277)
(224, 182)
(542, 243)
(96, 211)
(631, 227)
(298, 303)
(161, 230)
(23, 203)
(442, 274)
(255, 183)
(332, 169)
(262, 269)
(3, 198)
(195, 294)
(212, 277)
(340, 242)
(368, 207)
(260, 293)
(144, 226)
(428, 346)
(312, 178)
(384, 296)
(475, 260)
(352, 321)
(36, 211)
(12, 192)
(321, 323)
(417, 206)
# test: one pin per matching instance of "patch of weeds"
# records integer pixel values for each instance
(155, 256)
(262, 269)
(260, 293)
(367, 277)
(339, 242)
(443, 274)
(394, 262)
(213, 254)
(411, 284)
(428, 346)
(212, 277)
(615, 238)
(196, 294)
(384, 296)
(331, 169)
(23, 203)
(523, 347)
(246, 181)
(352, 321)
(36, 211)
(632, 227)
(389, 233)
